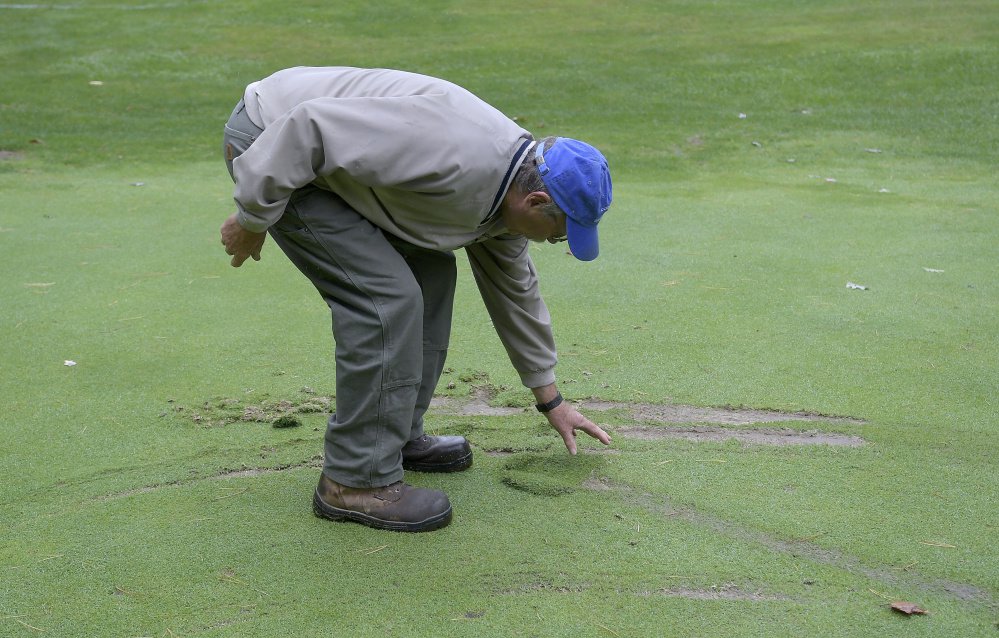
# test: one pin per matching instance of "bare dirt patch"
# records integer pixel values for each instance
(692, 414)
(562, 584)
(767, 436)
(719, 592)
(476, 405)
(222, 411)
(7, 156)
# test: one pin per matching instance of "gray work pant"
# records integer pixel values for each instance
(391, 304)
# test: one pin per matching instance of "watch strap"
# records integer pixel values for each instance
(551, 405)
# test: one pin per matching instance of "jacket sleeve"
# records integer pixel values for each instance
(508, 284)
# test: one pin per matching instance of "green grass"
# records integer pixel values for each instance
(867, 154)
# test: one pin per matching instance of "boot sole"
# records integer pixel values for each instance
(457, 465)
(330, 513)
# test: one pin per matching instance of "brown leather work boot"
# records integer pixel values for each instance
(397, 507)
(437, 454)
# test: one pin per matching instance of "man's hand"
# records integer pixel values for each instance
(566, 419)
(239, 242)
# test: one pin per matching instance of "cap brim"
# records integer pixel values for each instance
(582, 240)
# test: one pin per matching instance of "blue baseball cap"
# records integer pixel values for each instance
(578, 179)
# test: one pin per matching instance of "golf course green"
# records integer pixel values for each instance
(790, 333)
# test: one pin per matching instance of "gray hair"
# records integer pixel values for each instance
(528, 179)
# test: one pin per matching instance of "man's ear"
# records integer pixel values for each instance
(538, 198)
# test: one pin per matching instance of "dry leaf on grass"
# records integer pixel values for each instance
(907, 608)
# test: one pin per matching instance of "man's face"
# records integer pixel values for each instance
(541, 227)
(561, 233)
(525, 215)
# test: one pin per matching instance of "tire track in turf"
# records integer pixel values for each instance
(803, 549)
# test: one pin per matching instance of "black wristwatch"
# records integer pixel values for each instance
(551, 405)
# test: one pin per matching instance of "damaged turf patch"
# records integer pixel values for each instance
(692, 414)
(715, 592)
(549, 475)
(476, 405)
(222, 411)
(767, 436)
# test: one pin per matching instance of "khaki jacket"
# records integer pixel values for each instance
(421, 158)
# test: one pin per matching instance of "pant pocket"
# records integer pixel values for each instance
(239, 135)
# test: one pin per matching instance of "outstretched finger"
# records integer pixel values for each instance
(569, 438)
(596, 432)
